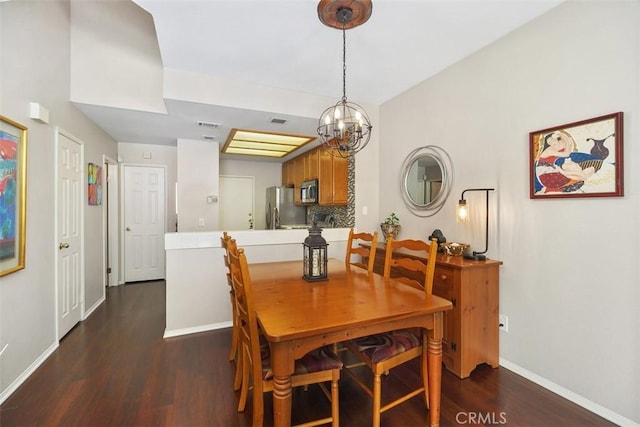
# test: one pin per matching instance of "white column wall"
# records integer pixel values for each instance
(198, 177)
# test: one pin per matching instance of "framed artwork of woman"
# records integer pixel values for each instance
(580, 159)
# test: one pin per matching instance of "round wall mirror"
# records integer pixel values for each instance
(426, 180)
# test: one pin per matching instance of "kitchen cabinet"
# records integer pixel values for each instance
(297, 173)
(311, 164)
(332, 178)
(287, 174)
(330, 171)
(340, 180)
(470, 332)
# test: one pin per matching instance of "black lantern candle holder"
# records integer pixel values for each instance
(314, 251)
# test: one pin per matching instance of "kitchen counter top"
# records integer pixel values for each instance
(211, 239)
(294, 227)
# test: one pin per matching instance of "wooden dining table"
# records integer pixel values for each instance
(297, 316)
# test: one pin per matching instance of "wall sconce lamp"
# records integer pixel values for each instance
(462, 215)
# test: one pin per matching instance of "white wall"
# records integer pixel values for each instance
(198, 166)
(35, 67)
(114, 43)
(569, 282)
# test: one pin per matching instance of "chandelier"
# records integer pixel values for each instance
(345, 125)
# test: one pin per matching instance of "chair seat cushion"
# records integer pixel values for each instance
(321, 359)
(382, 346)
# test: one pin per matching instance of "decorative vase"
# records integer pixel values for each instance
(390, 230)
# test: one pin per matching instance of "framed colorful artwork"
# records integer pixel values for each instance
(94, 180)
(580, 159)
(13, 195)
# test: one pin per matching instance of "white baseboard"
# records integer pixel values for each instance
(93, 308)
(569, 395)
(27, 372)
(202, 328)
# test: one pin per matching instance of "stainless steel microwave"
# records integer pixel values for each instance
(309, 191)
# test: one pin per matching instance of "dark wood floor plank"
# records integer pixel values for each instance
(115, 369)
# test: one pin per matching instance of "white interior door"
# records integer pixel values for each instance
(144, 222)
(69, 264)
(236, 202)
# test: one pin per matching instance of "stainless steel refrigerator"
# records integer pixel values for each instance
(281, 212)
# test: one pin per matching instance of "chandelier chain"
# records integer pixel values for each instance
(344, 62)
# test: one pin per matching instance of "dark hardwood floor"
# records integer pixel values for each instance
(115, 369)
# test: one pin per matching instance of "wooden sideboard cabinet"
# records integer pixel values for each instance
(471, 327)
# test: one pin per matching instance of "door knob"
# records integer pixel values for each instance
(128, 228)
(63, 245)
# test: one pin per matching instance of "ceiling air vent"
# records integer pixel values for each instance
(209, 124)
(277, 121)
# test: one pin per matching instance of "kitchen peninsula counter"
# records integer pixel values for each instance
(197, 293)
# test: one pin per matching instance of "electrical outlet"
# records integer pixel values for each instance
(503, 323)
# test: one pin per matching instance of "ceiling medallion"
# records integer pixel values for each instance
(360, 12)
(345, 125)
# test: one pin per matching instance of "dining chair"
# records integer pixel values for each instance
(234, 354)
(317, 367)
(365, 253)
(384, 351)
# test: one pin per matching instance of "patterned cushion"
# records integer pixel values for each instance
(321, 359)
(380, 347)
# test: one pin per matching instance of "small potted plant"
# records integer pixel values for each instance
(390, 226)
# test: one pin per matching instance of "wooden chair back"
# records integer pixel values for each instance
(234, 352)
(364, 253)
(247, 323)
(252, 350)
(420, 248)
(224, 242)
(244, 299)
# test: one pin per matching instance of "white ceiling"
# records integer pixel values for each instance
(282, 44)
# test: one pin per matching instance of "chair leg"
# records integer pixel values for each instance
(234, 331)
(234, 344)
(237, 379)
(244, 391)
(258, 404)
(377, 391)
(425, 379)
(335, 402)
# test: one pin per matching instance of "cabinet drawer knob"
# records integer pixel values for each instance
(443, 277)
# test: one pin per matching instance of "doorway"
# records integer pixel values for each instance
(237, 206)
(69, 222)
(144, 222)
